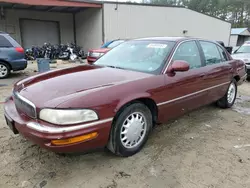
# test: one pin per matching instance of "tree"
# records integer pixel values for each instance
(235, 11)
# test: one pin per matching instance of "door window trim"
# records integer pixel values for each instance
(218, 47)
(178, 45)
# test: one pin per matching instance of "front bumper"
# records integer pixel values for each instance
(91, 60)
(41, 133)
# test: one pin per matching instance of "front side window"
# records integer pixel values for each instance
(138, 55)
(189, 52)
(211, 53)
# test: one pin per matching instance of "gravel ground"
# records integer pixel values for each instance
(207, 148)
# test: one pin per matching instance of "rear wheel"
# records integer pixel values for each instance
(229, 98)
(131, 130)
(4, 70)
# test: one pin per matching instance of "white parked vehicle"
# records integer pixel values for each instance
(243, 53)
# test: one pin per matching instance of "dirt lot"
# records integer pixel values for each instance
(207, 148)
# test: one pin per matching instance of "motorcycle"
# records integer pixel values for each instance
(64, 52)
(68, 53)
(29, 54)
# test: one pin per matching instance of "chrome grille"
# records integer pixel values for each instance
(24, 105)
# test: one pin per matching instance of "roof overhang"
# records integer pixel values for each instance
(48, 5)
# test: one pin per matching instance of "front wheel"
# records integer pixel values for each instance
(229, 98)
(131, 129)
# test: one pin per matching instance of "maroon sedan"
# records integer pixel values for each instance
(115, 102)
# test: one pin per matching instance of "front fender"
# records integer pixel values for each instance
(130, 98)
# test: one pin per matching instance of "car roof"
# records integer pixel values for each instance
(120, 39)
(175, 39)
(165, 38)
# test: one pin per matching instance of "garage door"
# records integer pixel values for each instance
(36, 32)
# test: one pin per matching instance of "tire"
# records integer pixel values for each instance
(226, 101)
(139, 113)
(4, 70)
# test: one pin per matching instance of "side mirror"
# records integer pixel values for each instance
(178, 66)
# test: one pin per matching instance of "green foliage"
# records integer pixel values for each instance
(235, 11)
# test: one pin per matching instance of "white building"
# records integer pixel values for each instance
(90, 24)
(239, 36)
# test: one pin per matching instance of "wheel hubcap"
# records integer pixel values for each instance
(231, 93)
(133, 130)
(3, 70)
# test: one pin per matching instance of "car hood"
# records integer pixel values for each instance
(101, 50)
(51, 89)
(241, 56)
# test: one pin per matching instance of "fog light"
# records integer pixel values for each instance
(76, 139)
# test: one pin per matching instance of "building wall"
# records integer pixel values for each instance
(133, 21)
(245, 33)
(89, 28)
(233, 40)
(11, 23)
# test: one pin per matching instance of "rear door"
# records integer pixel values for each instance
(219, 70)
(184, 91)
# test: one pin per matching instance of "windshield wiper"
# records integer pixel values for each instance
(114, 67)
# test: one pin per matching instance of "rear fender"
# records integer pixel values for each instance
(240, 69)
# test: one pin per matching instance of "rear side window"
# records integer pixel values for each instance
(4, 43)
(223, 54)
(189, 52)
(212, 55)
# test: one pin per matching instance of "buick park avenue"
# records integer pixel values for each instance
(116, 102)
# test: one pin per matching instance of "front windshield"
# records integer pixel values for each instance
(142, 56)
(243, 49)
(115, 43)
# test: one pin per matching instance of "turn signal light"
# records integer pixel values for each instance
(76, 139)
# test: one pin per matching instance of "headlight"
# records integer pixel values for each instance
(67, 117)
(97, 54)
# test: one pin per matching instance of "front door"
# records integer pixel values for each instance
(184, 91)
